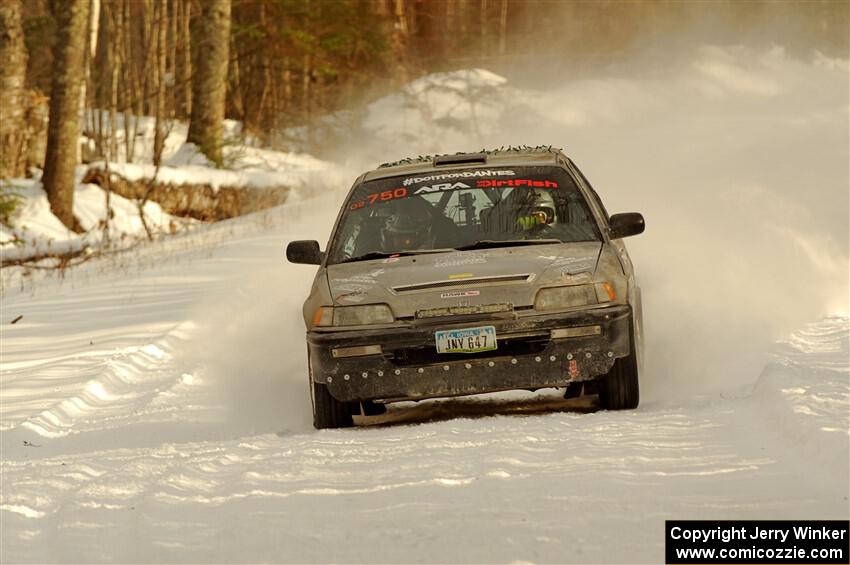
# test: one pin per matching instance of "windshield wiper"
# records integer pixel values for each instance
(383, 255)
(491, 243)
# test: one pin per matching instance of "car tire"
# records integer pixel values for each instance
(328, 412)
(619, 388)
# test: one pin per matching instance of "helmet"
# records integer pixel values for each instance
(404, 231)
(543, 206)
(537, 209)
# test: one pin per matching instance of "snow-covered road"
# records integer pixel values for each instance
(150, 416)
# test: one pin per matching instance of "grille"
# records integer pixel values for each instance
(461, 282)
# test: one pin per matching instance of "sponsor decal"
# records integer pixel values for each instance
(356, 279)
(460, 276)
(575, 279)
(490, 183)
(573, 368)
(402, 191)
(460, 259)
(441, 187)
(570, 265)
(357, 283)
(460, 294)
(347, 287)
(459, 175)
(384, 196)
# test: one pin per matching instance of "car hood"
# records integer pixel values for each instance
(507, 275)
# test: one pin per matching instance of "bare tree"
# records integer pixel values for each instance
(13, 71)
(401, 36)
(160, 38)
(483, 23)
(115, 23)
(209, 79)
(184, 69)
(91, 31)
(63, 130)
(503, 27)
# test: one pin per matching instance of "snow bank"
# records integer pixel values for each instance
(804, 393)
(141, 129)
(245, 164)
(38, 232)
(245, 167)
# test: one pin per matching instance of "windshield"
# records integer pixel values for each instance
(469, 209)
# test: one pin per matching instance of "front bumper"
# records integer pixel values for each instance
(409, 366)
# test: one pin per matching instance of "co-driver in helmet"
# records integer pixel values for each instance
(537, 210)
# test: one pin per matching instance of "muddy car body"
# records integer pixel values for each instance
(467, 274)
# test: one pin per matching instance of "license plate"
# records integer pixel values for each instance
(467, 340)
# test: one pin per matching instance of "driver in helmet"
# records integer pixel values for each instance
(537, 210)
(406, 231)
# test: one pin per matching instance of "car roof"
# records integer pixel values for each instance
(511, 157)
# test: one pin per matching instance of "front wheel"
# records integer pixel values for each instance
(328, 412)
(619, 388)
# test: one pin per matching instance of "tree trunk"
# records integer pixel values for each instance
(132, 95)
(305, 86)
(209, 79)
(287, 85)
(91, 32)
(400, 37)
(13, 71)
(237, 106)
(483, 20)
(172, 56)
(185, 68)
(115, 17)
(63, 130)
(148, 56)
(161, 14)
(448, 19)
(503, 27)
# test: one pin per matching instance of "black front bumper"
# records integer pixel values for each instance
(527, 357)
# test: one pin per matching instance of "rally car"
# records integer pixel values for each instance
(471, 273)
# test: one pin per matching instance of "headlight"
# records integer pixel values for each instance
(561, 297)
(365, 315)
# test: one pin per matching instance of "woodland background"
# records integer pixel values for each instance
(87, 67)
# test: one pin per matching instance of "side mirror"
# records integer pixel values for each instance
(304, 251)
(624, 225)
